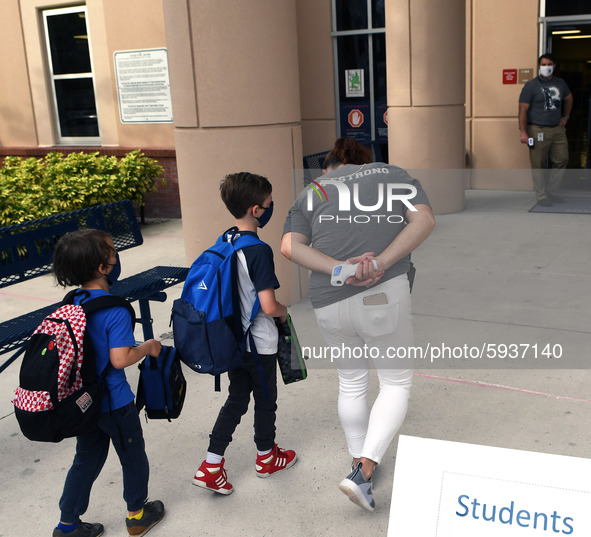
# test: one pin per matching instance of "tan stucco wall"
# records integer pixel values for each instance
(237, 109)
(17, 126)
(112, 26)
(426, 94)
(504, 35)
(317, 92)
(245, 60)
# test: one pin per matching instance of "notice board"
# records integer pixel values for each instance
(143, 86)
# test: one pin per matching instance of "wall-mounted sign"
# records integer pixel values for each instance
(354, 83)
(381, 121)
(143, 86)
(509, 76)
(355, 118)
(356, 121)
(525, 75)
(450, 489)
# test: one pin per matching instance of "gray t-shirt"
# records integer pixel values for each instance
(352, 210)
(544, 97)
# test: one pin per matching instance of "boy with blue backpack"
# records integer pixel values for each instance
(248, 198)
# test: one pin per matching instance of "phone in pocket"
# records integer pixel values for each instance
(375, 300)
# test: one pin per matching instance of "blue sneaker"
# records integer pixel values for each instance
(358, 489)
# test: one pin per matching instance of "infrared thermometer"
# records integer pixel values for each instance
(345, 270)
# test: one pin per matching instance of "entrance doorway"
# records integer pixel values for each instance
(569, 40)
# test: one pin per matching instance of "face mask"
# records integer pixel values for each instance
(546, 70)
(113, 276)
(266, 216)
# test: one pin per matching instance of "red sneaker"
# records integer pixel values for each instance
(213, 477)
(275, 461)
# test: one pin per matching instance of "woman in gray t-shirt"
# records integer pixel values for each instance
(373, 214)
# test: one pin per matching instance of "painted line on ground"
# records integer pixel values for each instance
(481, 384)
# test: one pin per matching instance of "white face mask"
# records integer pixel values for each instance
(546, 70)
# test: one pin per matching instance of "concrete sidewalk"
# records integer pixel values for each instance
(489, 276)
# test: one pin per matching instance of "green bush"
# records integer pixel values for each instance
(35, 188)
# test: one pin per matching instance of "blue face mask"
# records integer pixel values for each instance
(113, 276)
(266, 216)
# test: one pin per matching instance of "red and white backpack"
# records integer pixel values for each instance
(59, 393)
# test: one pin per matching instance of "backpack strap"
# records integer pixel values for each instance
(256, 306)
(99, 303)
(96, 304)
(240, 242)
(69, 298)
(109, 301)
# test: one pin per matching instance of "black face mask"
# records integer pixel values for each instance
(113, 276)
(266, 216)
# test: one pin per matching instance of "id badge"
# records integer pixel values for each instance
(540, 136)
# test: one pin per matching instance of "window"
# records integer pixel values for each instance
(359, 45)
(71, 75)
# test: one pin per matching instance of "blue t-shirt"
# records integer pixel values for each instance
(108, 329)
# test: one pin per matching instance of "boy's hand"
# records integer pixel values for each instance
(269, 304)
(282, 326)
(122, 357)
(155, 347)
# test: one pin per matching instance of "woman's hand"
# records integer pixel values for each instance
(366, 274)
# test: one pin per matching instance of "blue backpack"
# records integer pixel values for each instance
(206, 319)
(162, 386)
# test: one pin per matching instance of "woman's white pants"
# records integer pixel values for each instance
(371, 331)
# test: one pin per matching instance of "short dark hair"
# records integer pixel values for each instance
(548, 56)
(243, 190)
(78, 255)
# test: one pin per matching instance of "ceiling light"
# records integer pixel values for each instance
(576, 37)
(562, 32)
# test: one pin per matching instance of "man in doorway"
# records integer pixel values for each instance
(545, 105)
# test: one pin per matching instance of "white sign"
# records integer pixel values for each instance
(143, 86)
(449, 489)
(355, 85)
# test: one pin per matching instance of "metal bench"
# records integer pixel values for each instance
(26, 252)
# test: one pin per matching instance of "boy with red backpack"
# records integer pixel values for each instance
(88, 259)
